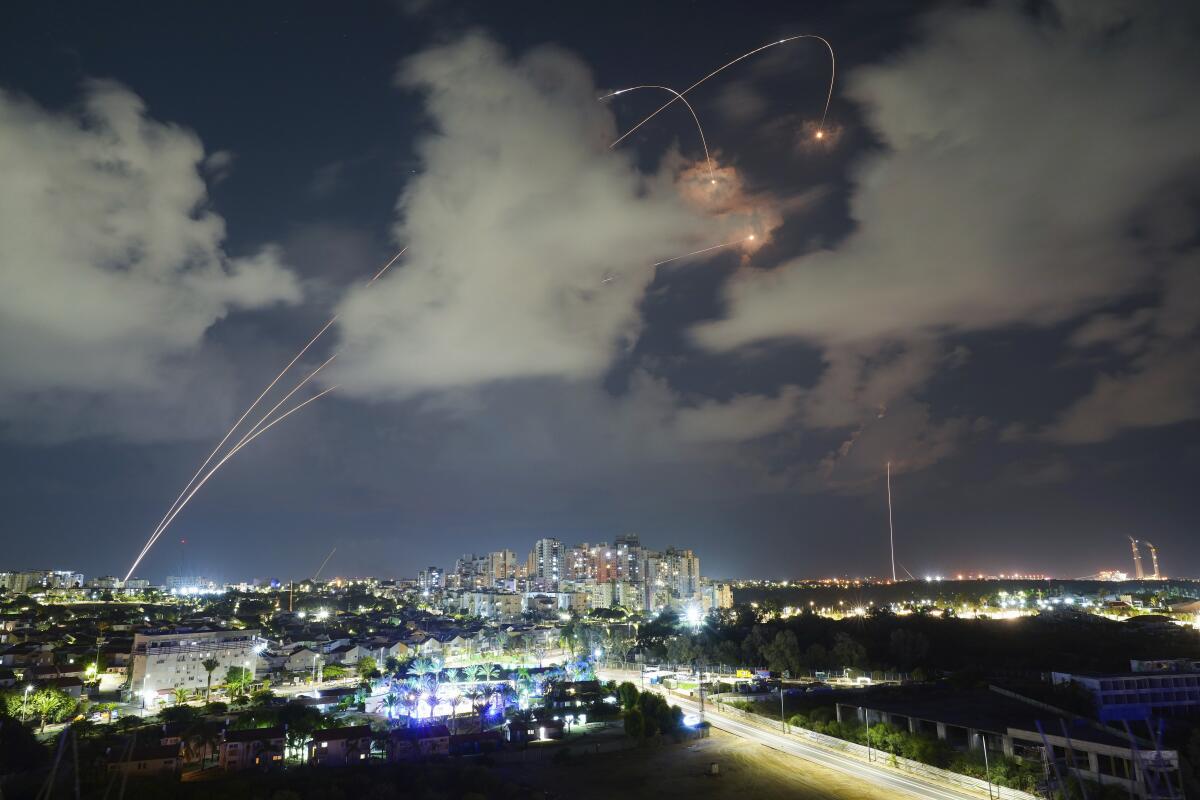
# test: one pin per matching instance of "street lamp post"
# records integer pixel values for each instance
(25, 703)
(987, 771)
(782, 714)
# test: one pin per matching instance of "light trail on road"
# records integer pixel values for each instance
(791, 745)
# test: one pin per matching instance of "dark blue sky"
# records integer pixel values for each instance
(976, 276)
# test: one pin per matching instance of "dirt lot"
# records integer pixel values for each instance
(748, 771)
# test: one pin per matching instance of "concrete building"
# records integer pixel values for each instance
(252, 748)
(546, 564)
(491, 605)
(151, 760)
(431, 579)
(715, 595)
(403, 744)
(1006, 723)
(190, 584)
(37, 579)
(1138, 695)
(503, 567)
(336, 747)
(163, 661)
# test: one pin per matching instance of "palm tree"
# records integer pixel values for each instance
(390, 701)
(180, 696)
(209, 665)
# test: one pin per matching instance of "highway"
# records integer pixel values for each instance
(876, 774)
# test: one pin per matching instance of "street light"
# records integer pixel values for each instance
(987, 771)
(25, 703)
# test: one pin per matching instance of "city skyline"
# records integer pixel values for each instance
(717, 332)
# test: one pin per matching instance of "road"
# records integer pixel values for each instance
(876, 774)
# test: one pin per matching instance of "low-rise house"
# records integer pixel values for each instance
(520, 730)
(337, 747)
(153, 760)
(252, 748)
(423, 741)
(302, 659)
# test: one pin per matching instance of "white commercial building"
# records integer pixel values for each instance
(164, 661)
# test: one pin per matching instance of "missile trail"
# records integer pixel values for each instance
(828, 97)
(163, 522)
(697, 252)
(295, 389)
(230, 455)
(225, 438)
(703, 142)
(245, 438)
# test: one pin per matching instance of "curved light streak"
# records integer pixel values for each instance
(703, 141)
(828, 97)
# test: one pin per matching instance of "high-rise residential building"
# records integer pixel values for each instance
(470, 572)
(431, 578)
(162, 661)
(546, 561)
(628, 549)
(683, 570)
(502, 567)
(578, 563)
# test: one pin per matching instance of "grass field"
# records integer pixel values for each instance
(747, 770)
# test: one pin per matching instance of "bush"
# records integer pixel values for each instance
(635, 724)
(627, 693)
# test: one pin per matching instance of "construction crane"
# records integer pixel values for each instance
(1138, 572)
(1154, 561)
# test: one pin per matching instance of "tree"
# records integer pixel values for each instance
(635, 724)
(909, 648)
(367, 668)
(238, 680)
(627, 693)
(178, 713)
(107, 709)
(51, 705)
(847, 652)
(179, 696)
(333, 672)
(209, 665)
(783, 653)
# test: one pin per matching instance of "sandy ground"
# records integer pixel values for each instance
(748, 771)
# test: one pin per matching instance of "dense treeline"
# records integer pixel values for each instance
(880, 640)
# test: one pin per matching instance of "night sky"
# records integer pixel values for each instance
(987, 272)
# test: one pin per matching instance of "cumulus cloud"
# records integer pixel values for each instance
(1002, 197)
(741, 418)
(112, 267)
(1158, 383)
(530, 241)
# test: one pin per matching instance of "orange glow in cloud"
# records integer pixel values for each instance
(723, 196)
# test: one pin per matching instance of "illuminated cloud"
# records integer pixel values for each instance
(112, 267)
(530, 241)
(1002, 197)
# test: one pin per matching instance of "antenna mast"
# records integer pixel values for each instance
(891, 528)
